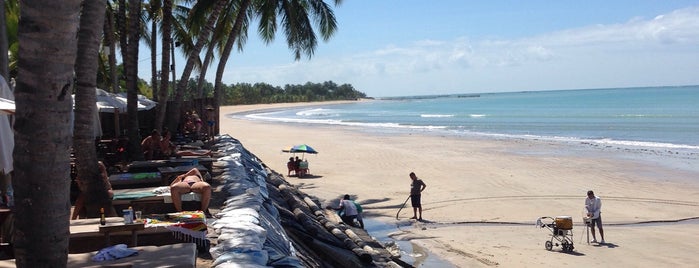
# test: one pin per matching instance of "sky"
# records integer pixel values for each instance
(408, 47)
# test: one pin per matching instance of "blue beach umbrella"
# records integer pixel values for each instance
(301, 148)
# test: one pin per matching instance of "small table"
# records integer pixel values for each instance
(134, 227)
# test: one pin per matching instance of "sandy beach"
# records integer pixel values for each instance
(484, 196)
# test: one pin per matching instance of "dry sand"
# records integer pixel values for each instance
(494, 181)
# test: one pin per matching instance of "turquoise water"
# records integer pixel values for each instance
(656, 117)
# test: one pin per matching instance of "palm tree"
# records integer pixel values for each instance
(131, 71)
(165, 64)
(193, 55)
(154, 8)
(300, 36)
(4, 60)
(47, 54)
(110, 42)
(89, 36)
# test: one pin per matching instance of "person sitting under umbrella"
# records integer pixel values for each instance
(291, 165)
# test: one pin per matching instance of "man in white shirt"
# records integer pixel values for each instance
(593, 205)
(349, 210)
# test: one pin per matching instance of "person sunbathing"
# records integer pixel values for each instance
(170, 150)
(192, 181)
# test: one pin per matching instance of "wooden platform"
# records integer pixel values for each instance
(85, 235)
(182, 255)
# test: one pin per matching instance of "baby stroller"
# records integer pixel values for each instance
(561, 228)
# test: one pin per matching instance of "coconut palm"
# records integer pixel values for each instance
(294, 19)
(165, 63)
(110, 43)
(46, 58)
(86, 65)
(4, 60)
(131, 73)
(154, 8)
(202, 38)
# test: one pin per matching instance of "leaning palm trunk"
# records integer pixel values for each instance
(202, 72)
(47, 53)
(237, 26)
(91, 22)
(192, 59)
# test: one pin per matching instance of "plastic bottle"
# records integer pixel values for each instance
(103, 221)
(131, 213)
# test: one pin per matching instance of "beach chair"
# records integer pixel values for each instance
(291, 168)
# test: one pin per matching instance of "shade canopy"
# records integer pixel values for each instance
(7, 106)
(301, 148)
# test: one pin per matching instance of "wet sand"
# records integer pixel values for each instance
(484, 196)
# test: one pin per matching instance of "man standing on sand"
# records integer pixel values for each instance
(416, 188)
(593, 205)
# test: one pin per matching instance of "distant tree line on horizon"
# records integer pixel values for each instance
(259, 93)
(246, 93)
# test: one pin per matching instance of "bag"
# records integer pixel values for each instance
(359, 208)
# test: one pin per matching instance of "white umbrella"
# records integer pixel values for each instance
(109, 102)
(7, 135)
(143, 102)
(7, 106)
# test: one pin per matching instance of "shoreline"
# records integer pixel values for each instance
(488, 181)
(670, 157)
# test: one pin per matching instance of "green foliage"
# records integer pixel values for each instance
(245, 93)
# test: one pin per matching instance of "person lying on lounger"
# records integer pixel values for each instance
(192, 181)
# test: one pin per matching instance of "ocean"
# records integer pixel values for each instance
(656, 118)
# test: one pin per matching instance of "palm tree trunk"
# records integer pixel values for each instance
(240, 18)
(4, 58)
(153, 59)
(47, 54)
(165, 64)
(131, 70)
(109, 41)
(91, 25)
(192, 59)
(122, 29)
(204, 67)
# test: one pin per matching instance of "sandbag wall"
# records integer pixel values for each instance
(267, 222)
(247, 231)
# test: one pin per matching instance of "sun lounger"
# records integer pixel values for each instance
(149, 201)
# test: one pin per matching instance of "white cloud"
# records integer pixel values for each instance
(563, 59)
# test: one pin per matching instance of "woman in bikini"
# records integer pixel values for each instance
(191, 181)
